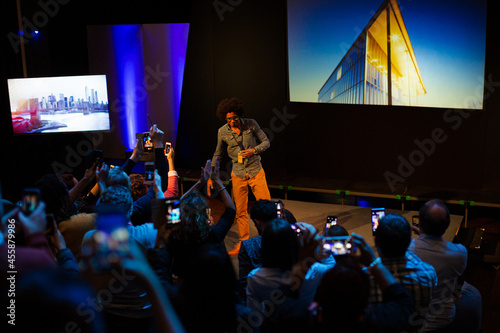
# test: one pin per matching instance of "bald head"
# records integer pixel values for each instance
(434, 217)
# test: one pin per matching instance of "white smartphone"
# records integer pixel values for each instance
(168, 146)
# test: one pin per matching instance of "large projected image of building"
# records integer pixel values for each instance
(363, 74)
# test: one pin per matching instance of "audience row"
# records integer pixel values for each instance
(110, 254)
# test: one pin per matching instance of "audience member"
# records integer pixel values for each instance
(249, 258)
(392, 239)
(33, 252)
(448, 259)
(72, 225)
(205, 298)
(195, 229)
(119, 176)
(341, 300)
(130, 307)
(272, 293)
(128, 280)
(261, 213)
(49, 301)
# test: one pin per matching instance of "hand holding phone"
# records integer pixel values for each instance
(165, 212)
(149, 173)
(31, 199)
(338, 245)
(280, 209)
(168, 146)
(415, 224)
(297, 229)
(110, 241)
(145, 142)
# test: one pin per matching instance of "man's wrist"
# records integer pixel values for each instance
(85, 179)
(374, 264)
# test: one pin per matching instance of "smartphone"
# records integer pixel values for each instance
(331, 220)
(377, 214)
(296, 229)
(96, 156)
(165, 211)
(50, 224)
(168, 146)
(31, 198)
(149, 172)
(173, 211)
(111, 239)
(415, 221)
(280, 209)
(338, 246)
(146, 143)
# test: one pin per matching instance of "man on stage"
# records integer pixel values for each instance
(244, 140)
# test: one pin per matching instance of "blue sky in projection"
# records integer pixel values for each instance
(448, 38)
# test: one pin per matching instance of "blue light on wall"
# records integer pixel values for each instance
(127, 42)
(138, 53)
(363, 203)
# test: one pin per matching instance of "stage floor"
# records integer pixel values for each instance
(353, 218)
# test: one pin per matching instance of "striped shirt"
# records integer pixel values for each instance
(417, 277)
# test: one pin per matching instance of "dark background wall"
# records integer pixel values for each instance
(240, 50)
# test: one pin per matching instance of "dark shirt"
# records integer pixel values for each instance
(249, 256)
(393, 314)
(233, 143)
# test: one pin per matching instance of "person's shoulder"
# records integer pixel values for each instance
(87, 236)
(250, 122)
(251, 241)
(253, 272)
(418, 263)
(223, 128)
(145, 227)
(458, 249)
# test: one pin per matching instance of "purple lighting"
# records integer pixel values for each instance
(149, 61)
(127, 42)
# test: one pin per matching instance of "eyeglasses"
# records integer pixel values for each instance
(232, 118)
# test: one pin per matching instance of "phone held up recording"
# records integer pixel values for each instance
(377, 215)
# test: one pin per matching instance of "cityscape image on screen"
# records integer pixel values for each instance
(59, 104)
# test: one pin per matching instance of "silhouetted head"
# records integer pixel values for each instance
(262, 212)
(194, 217)
(342, 296)
(138, 186)
(336, 230)
(55, 194)
(117, 198)
(393, 236)
(50, 301)
(280, 246)
(116, 176)
(434, 218)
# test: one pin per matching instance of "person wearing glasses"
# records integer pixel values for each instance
(244, 141)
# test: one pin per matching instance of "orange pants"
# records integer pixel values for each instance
(258, 184)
